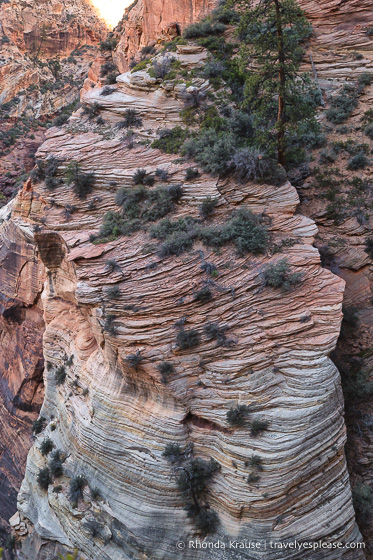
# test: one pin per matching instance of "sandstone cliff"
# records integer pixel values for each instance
(46, 50)
(108, 417)
(113, 421)
(38, 78)
(145, 22)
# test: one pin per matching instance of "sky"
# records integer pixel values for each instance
(111, 10)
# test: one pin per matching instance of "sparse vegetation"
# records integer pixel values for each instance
(203, 29)
(257, 427)
(213, 331)
(113, 292)
(166, 369)
(46, 446)
(207, 207)
(187, 338)
(359, 161)
(82, 182)
(279, 275)
(171, 140)
(132, 119)
(134, 360)
(204, 295)
(141, 177)
(56, 463)
(44, 478)
(192, 478)
(237, 416)
(107, 91)
(77, 484)
(60, 375)
(38, 425)
(92, 111)
(191, 173)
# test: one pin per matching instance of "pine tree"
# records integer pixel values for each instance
(280, 98)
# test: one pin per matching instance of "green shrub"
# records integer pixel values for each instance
(38, 425)
(112, 265)
(60, 375)
(187, 339)
(365, 79)
(244, 229)
(360, 161)
(203, 29)
(107, 91)
(77, 483)
(56, 464)
(279, 275)
(213, 151)
(134, 360)
(207, 207)
(113, 292)
(141, 177)
(46, 446)
(161, 68)
(191, 173)
(92, 111)
(109, 325)
(162, 174)
(176, 244)
(139, 206)
(44, 478)
(251, 164)
(140, 66)
(60, 120)
(237, 415)
(165, 369)
(369, 130)
(131, 119)
(253, 478)
(203, 296)
(343, 104)
(82, 182)
(173, 453)
(255, 462)
(171, 140)
(215, 332)
(257, 427)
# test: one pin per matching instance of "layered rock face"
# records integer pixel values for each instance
(112, 417)
(21, 358)
(46, 49)
(31, 33)
(147, 21)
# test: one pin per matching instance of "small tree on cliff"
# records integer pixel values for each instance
(279, 97)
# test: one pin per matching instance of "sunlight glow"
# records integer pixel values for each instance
(111, 10)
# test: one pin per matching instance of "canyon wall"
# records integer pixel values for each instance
(32, 34)
(112, 421)
(147, 21)
(46, 50)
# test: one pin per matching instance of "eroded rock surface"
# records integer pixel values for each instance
(21, 357)
(113, 421)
